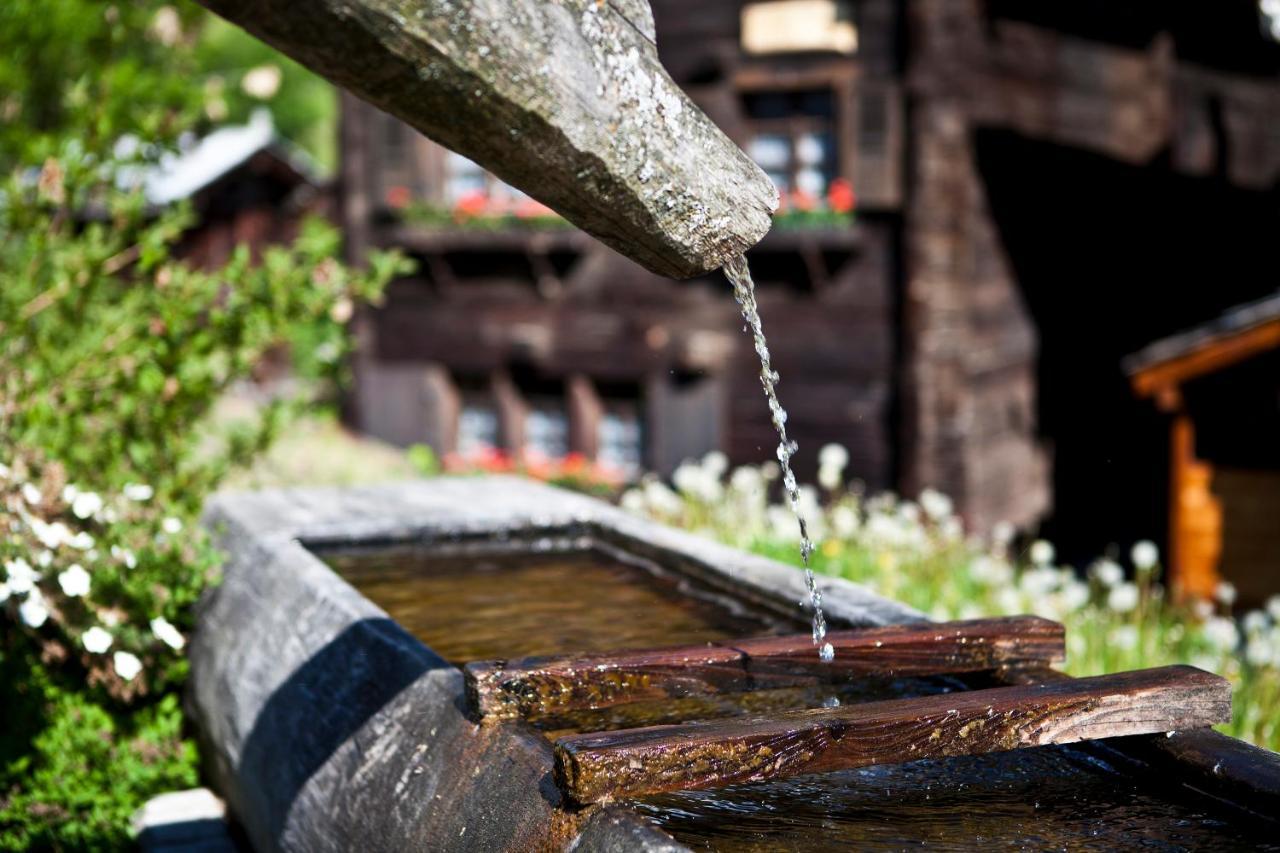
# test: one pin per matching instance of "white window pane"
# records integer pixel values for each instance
(477, 430)
(460, 186)
(770, 151)
(811, 181)
(546, 433)
(811, 149)
(621, 443)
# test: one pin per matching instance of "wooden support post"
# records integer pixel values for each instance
(536, 687)
(634, 762)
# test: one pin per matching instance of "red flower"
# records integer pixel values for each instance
(803, 201)
(470, 205)
(841, 197)
(398, 197)
(528, 208)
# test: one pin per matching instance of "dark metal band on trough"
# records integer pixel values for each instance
(538, 686)
(612, 765)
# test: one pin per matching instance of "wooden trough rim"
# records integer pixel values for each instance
(539, 686)
(604, 766)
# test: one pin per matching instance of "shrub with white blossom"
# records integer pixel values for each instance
(97, 582)
(1117, 613)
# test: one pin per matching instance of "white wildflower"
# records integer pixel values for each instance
(833, 456)
(830, 478)
(33, 611)
(632, 501)
(1107, 572)
(746, 480)
(1225, 593)
(661, 499)
(171, 525)
(31, 494)
(1075, 596)
(262, 82)
(5, 592)
(70, 492)
(770, 470)
(96, 640)
(166, 26)
(845, 521)
(715, 464)
(167, 634)
(1255, 622)
(1123, 597)
(909, 512)
(138, 491)
(53, 535)
(1222, 633)
(1038, 581)
(936, 505)
(782, 524)
(1124, 637)
(127, 665)
(951, 529)
(1258, 652)
(82, 541)
(1273, 607)
(22, 578)
(4, 471)
(991, 571)
(86, 505)
(44, 559)
(1144, 554)
(1008, 601)
(74, 581)
(1041, 552)
(1002, 533)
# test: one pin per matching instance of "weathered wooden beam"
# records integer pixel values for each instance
(565, 99)
(538, 686)
(611, 765)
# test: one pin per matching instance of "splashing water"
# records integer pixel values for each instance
(744, 290)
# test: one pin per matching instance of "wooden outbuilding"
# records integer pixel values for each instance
(1219, 385)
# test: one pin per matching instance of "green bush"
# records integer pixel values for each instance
(112, 357)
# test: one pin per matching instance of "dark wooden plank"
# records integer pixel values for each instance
(535, 687)
(610, 765)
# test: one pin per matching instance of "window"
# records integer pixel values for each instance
(621, 440)
(546, 430)
(795, 26)
(462, 178)
(795, 140)
(478, 427)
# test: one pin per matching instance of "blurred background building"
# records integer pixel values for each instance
(988, 207)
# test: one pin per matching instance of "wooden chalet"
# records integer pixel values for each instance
(1042, 189)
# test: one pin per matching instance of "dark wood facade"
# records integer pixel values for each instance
(1015, 172)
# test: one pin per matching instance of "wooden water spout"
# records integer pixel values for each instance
(565, 100)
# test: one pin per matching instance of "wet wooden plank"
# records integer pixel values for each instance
(612, 765)
(536, 687)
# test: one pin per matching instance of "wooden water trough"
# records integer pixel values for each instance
(337, 708)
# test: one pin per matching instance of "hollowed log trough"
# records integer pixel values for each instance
(327, 726)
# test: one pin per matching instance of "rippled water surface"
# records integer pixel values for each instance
(482, 606)
(1050, 798)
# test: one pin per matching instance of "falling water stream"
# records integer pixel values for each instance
(744, 290)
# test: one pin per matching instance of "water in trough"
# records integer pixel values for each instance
(744, 290)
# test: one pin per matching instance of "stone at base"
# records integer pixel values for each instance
(193, 821)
